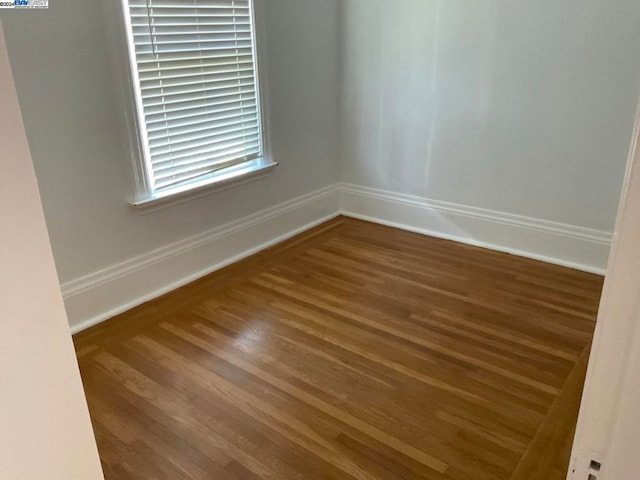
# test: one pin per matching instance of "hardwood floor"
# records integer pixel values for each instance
(351, 351)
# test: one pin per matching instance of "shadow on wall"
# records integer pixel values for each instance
(513, 106)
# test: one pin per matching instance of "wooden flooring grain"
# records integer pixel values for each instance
(350, 351)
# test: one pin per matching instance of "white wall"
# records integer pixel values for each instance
(68, 92)
(524, 107)
(45, 431)
(499, 123)
(609, 423)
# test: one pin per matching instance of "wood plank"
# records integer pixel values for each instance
(350, 351)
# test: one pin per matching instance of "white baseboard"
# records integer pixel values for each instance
(101, 295)
(566, 245)
(109, 292)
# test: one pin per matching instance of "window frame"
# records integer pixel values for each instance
(145, 197)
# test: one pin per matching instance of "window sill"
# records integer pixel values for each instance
(221, 181)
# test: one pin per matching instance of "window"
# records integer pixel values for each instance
(195, 78)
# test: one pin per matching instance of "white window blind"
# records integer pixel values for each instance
(197, 90)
